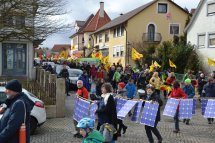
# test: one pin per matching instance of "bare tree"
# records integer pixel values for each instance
(32, 19)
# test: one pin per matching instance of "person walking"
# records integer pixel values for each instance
(87, 68)
(186, 75)
(131, 91)
(100, 73)
(117, 75)
(152, 97)
(155, 81)
(201, 83)
(125, 76)
(107, 108)
(110, 75)
(177, 93)
(141, 84)
(99, 84)
(190, 91)
(85, 79)
(50, 69)
(65, 74)
(93, 71)
(82, 92)
(164, 77)
(16, 110)
(209, 91)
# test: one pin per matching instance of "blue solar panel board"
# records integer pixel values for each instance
(204, 104)
(118, 106)
(149, 114)
(75, 109)
(171, 107)
(92, 109)
(126, 108)
(185, 109)
(210, 109)
(136, 113)
(194, 107)
(85, 108)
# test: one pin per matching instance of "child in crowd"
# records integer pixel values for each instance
(93, 96)
(131, 91)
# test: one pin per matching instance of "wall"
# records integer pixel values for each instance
(1, 59)
(80, 44)
(203, 24)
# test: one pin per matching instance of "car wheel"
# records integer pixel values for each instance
(33, 125)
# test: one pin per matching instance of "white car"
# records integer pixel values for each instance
(38, 113)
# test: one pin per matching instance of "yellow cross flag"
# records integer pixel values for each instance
(171, 64)
(73, 47)
(211, 62)
(106, 59)
(88, 46)
(135, 54)
(103, 59)
(156, 64)
(107, 66)
(151, 67)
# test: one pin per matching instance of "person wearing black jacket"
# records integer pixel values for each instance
(72, 65)
(65, 74)
(148, 76)
(99, 86)
(201, 83)
(87, 68)
(50, 69)
(125, 77)
(152, 96)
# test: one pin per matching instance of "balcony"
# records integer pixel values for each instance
(152, 38)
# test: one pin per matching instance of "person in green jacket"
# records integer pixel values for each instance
(186, 75)
(78, 66)
(86, 126)
(164, 77)
(117, 76)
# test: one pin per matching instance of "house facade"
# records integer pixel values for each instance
(201, 32)
(147, 24)
(57, 49)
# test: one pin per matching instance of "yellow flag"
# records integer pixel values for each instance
(103, 59)
(88, 46)
(171, 64)
(211, 62)
(106, 59)
(156, 64)
(120, 60)
(107, 66)
(73, 47)
(135, 54)
(98, 54)
(151, 67)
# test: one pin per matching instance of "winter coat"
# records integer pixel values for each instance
(100, 74)
(105, 74)
(87, 68)
(148, 77)
(78, 67)
(72, 65)
(201, 83)
(93, 71)
(193, 82)
(94, 97)
(111, 74)
(185, 77)
(14, 117)
(86, 83)
(131, 90)
(94, 137)
(189, 90)
(178, 93)
(170, 80)
(125, 77)
(82, 68)
(155, 81)
(122, 92)
(109, 110)
(50, 69)
(117, 76)
(164, 77)
(64, 73)
(83, 92)
(156, 98)
(98, 90)
(135, 76)
(141, 83)
(208, 90)
(159, 72)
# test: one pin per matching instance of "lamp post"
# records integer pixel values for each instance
(128, 47)
(83, 47)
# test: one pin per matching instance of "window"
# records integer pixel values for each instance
(118, 51)
(100, 38)
(106, 37)
(96, 39)
(118, 31)
(122, 30)
(174, 29)
(211, 9)
(212, 40)
(201, 41)
(114, 51)
(162, 8)
(114, 33)
(122, 51)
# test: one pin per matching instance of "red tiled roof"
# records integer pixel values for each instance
(57, 48)
(97, 22)
(39, 51)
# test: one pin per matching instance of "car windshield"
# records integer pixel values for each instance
(75, 73)
(59, 68)
(32, 95)
(3, 97)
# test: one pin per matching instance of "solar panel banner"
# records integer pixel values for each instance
(149, 114)
(194, 107)
(92, 109)
(85, 108)
(210, 109)
(203, 104)
(126, 108)
(185, 109)
(136, 113)
(75, 109)
(118, 106)
(171, 107)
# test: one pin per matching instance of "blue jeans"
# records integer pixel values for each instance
(149, 131)
(176, 120)
(67, 86)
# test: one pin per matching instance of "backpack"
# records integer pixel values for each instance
(108, 131)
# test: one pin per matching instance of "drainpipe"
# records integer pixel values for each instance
(126, 40)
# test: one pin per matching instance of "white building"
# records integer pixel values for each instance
(201, 32)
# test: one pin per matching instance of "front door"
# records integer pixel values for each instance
(14, 58)
(151, 32)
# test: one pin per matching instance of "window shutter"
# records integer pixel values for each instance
(202, 40)
(211, 8)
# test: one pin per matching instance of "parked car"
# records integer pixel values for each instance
(73, 78)
(37, 61)
(38, 113)
(58, 68)
(50, 63)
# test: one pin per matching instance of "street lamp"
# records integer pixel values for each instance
(128, 47)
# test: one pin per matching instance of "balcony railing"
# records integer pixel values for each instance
(152, 37)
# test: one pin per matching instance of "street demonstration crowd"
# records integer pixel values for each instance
(125, 82)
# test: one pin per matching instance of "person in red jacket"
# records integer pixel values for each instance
(100, 73)
(177, 93)
(171, 79)
(93, 71)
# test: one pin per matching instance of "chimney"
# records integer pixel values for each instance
(120, 14)
(101, 13)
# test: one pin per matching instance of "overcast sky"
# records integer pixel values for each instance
(81, 9)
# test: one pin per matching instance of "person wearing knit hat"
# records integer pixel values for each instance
(190, 91)
(121, 84)
(93, 96)
(17, 109)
